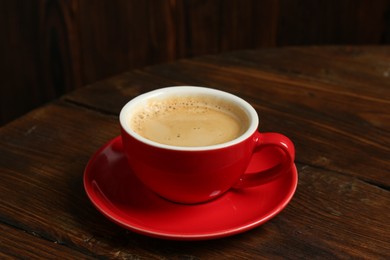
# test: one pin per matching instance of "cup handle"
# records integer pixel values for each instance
(262, 141)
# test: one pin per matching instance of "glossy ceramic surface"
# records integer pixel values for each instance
(201, 173)
(120, 196)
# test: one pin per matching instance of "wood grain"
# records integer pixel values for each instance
(51, 47)
(43, 157)
(347, 21)
(19, 65)
(328, 100)
(18, 244)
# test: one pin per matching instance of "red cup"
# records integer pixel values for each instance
(201, 173)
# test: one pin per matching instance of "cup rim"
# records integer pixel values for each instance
(175, 90)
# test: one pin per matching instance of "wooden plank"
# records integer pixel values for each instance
(59, 47)
(20, 59)
(43, 158)
(111, 94)
(17, 244)
(329, 214)
(331, 22)
(50, 47)
(116, 36)
(337, 121)
(343, 68)
(238, 17)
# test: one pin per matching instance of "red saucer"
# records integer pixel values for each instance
(117, 193)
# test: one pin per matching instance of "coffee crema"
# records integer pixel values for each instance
(189, 121)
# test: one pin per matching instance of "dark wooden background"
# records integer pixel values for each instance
(49, 47)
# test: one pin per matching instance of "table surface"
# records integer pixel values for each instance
(333, 102)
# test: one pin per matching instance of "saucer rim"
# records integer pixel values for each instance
(101, 206)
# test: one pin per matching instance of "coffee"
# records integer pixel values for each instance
(189, 121)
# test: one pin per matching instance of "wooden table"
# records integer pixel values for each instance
(333, 102)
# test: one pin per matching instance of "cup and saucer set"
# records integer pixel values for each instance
(195, 192)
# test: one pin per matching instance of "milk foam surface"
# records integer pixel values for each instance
(189, 121)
